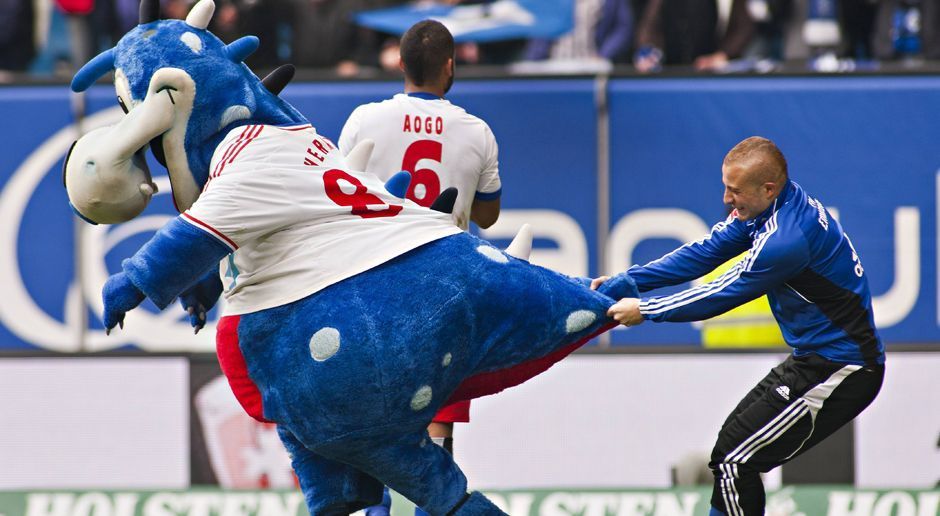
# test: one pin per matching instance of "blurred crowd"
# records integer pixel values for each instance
(51, 37)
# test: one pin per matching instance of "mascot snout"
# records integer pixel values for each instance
(106, 175)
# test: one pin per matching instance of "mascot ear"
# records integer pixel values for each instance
(278, 79)
(397, 185)
(93, 70)
(241, 48)
(445, 201)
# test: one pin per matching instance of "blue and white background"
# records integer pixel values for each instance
(863, 146)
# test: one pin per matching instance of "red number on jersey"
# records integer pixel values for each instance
(431, 184)
(360, 200)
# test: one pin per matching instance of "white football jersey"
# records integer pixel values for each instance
(439, 143)
(296, 221)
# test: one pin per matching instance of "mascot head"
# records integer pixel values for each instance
(183, 89)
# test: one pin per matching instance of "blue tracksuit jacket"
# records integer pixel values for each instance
(799, 256)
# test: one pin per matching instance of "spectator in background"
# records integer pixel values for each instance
(602, 28)
(771, 19)
(857, 24)
(263, 18)
(17, 47)
(683, 32)
(324, 35)
(907, 28)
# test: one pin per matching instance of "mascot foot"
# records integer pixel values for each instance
(383, 509)
(330, 488)
(410, 464)
(474, 504)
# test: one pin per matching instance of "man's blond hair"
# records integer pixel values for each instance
(761, 156)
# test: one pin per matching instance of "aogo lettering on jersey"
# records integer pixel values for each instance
(426, 125)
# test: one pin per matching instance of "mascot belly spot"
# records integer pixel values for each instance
(352, 314)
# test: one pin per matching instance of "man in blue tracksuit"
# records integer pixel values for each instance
(799, 256)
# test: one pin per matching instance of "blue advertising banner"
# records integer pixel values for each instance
(545, 129)
(860, 145)
(863, 146)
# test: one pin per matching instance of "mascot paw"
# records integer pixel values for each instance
(619, 287)
(120, 296)
(198, 299)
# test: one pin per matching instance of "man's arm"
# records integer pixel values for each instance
(726, 240)
(485, 208)
(484, 213)
(773, 259)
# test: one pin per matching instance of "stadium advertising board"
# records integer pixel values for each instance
(862, 145)
(94, 423)
(792, 501)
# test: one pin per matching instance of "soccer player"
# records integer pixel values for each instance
(439, 143)
(801, 258)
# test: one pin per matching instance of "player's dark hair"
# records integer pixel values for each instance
(425, 49)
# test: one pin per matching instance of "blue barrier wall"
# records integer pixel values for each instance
(861, 145)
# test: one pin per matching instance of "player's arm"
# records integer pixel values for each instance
(772, 260)
(485, 207)
(726, 240)
(484, 213)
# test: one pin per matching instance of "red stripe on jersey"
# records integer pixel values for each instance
(298, 128)
(228, 151)
(237, 147)
(218, 234)
(245, 143)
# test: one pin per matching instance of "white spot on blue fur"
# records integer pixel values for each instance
(324, 344)
(192, 41)
(447, 359)
(493, 254)
(234, 113)
(579, 320)
(422, 398)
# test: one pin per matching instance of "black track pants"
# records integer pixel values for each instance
(798, 404)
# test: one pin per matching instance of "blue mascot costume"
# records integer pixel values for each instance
(349, 347)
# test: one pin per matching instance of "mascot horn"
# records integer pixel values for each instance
(352, 315)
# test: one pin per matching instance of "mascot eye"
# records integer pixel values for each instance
(121, 103)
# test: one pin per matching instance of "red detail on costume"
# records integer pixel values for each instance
(454, 413)
(233, 366)
(492, 382)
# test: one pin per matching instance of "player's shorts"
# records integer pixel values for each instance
(454, 413)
